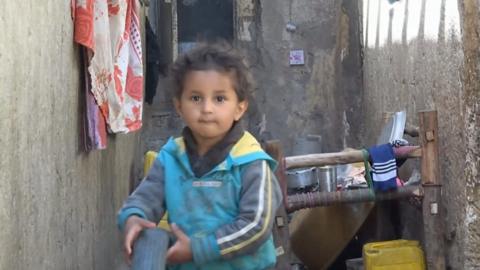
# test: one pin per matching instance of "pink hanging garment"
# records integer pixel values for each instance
(111, 30)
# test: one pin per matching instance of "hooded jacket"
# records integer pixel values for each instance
(227, 212)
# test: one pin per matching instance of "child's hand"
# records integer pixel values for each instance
(133, 227)
(180, 252)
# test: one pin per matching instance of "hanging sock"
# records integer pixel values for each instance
(384, 167)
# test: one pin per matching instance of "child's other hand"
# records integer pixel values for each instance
(180, 252)
(133, 227)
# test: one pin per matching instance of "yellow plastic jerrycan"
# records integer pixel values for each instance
(393, 255)
(150, 157)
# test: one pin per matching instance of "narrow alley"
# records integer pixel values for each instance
(86, 94)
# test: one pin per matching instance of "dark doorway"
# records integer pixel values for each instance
(203, 20)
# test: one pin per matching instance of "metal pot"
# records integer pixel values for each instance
(327, 178)
(297, 179)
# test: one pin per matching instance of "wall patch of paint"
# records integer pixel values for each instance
(297, 57)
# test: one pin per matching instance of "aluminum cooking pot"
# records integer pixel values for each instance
(301, 178)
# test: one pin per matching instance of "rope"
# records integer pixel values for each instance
(366, 157)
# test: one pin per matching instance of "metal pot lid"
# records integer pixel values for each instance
(300, 171)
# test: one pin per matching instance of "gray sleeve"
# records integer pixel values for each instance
(260, 198)
(147, 200)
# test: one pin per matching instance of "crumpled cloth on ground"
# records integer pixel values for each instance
(111, 30)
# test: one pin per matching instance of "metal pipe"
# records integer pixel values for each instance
(316, 199)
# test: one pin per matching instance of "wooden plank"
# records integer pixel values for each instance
(433, 226)
(274, 149)
(428, 141)
(316, 160)
(281, 235)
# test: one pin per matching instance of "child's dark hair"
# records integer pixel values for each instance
(220, 57)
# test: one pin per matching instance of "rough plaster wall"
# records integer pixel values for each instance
(161, 120)
(316, 98)
(414, 60)
(57, 204)
(322, 97)
(471, 40)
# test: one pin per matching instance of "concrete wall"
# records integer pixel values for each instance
(471, 121)
(57, 204)
(320, 97)
(424, 55)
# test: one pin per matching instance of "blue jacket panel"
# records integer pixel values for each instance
(200, 206)
(227, 213)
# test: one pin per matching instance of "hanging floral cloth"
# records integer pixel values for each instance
(110, 30)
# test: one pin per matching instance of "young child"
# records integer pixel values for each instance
(215, 181)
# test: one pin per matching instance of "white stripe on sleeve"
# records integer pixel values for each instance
(258, 215)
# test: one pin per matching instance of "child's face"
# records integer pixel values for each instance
(209, 104)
